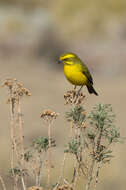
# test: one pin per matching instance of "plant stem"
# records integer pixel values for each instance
(23, 184)
(13, 143)
(99, 138)
(71, 129)
(21, 161)
(80, 164)
(15, 183)
(20, 132)
(75, 175)
(40, 173)
(97, 174)
(2, 182)
(12, 130)
(49, 154)
(62, 168)
(90, 174)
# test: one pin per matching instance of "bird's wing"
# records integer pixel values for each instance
(87, 73)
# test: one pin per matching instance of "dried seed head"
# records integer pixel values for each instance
(35, 188)
(16, 89)
(19, 84)
(19, 92)
(64, 187)
(48, 114)
(7, 83)
(74, 97)
(26, 91)
(83, 125)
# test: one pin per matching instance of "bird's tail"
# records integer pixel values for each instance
(91, 90)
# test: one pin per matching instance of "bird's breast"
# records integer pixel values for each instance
(74, 75)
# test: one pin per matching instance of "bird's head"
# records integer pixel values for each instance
(68, 58)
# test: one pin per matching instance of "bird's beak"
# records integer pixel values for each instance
(59, 62)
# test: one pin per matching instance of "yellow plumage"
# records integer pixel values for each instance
(74, 75)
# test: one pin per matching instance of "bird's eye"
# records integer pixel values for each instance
(65, 59)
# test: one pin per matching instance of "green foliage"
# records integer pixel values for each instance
(17, 172)
(40, 144)
(91, 135)
(103, 132)
(73, 147)
(27, 155)
(102, 120)
(76, 114)
(99, 135)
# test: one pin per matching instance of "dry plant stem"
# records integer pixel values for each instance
(80, 165)
(62, 169)
(93, 162)
(36, 180)
(23, 184)
(97, 174)
(61, 172)
(49, 154)
(75, 174)
(75, 180)
(16, 183)
(90, 175)
(99, 138)
(12, 130)
(76, 177)
(2, 182)
(76, 136)
(21, 140)
(71, 130)
(40, 173)
(79, 158)
(21, 133)
(13, 144)
(99, 163)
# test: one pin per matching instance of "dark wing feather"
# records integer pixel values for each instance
(87, 74)
(84, 70)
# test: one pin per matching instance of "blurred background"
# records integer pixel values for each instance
(33, 34)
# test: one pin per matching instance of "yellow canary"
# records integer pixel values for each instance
(77, 72)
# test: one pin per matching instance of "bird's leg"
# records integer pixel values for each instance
(75, 87)
(80, 89)
(74, 92)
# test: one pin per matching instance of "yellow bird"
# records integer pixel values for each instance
(77, 72)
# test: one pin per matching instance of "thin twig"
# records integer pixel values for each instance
(71, 129)
(61, 172)
(49, 154)
(23, 184)
(75, 175)
(90, 174)
(12, 130)
(13, 143)
(2, 182)
(75, 180)
(62, 168)
(20, 132)
(40, 173)
(97, 174)
(21, 161)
